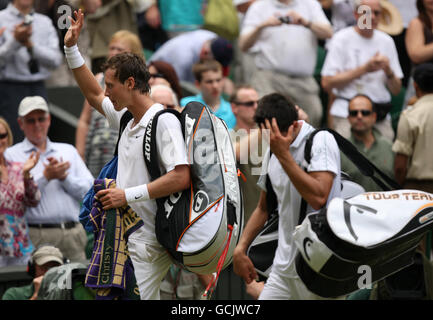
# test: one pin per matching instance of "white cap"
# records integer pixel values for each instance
(29, 104)
(47, 254)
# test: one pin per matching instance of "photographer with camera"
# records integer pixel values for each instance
(283, 36)
(29, 51)
(43, 259)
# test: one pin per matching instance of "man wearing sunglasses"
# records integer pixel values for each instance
(361, 59)
(368, 141)
(61, 176)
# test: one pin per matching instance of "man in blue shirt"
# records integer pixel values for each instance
(61, 176)
(209, 79)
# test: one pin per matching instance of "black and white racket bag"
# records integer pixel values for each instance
(200, 226)
(262, 249)
(358, 241)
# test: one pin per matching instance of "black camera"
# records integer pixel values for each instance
(33, 66)
(285, 19)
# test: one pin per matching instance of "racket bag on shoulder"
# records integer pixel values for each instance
(201, 225)
(358, 241)
(263, 247)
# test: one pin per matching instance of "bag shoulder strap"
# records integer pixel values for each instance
(272, 202)
(126, 117)
(149, 144)
(364, 165)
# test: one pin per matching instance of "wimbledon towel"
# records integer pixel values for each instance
(111, 271)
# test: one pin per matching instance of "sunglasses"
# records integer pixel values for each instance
(34, 120)
(365, 113)
(156, 75)
(3, 135)
(246, 103)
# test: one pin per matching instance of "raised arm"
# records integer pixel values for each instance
(86, 80)
(315, 186)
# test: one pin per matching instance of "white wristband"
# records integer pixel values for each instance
(73, 57)
(138, 193)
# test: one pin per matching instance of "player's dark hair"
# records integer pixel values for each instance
(276, 105)
(130, 65)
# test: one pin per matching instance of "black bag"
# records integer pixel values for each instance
(411, 283)
(335, 242)
(359, 241)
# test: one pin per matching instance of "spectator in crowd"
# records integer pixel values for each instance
(55, 10)
(419, 36)
(288, 69)
(164, 95)
(342, 14)
(163, 73)
(362, 60)
(419, 41)
(413, 162)
(368, 141)
(62, 178)
(29, 51)
(183, 51)
(18, 190)
(43, 259)
(408, 11)
(243, 63)
(318, 184)
(94, 140)
(165, 19)
(150, 31)
(109, 17)
(247, 142)
(209, 80)
(177, 16)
